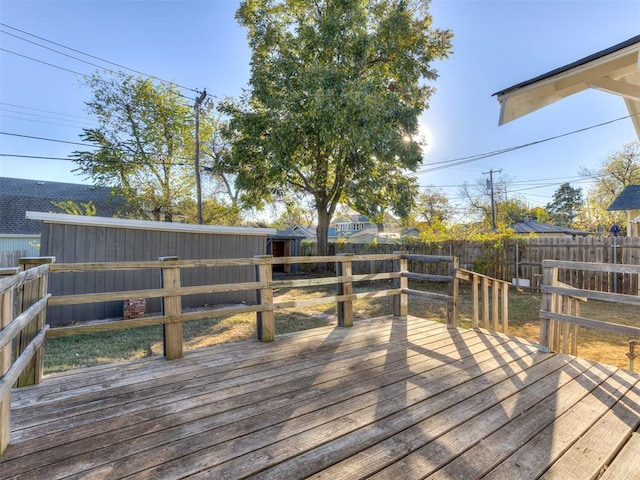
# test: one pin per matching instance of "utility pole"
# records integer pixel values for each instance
(199, 101)
(493, 204)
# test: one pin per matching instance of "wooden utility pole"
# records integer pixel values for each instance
(493, 205)
(199, 101)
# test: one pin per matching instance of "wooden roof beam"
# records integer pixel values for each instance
(624, 89)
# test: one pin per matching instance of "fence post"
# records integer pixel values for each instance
(30, 293)
(549, 277)
(265, 321)
(495, 287)
(400, 301)
(345, 287)
(6, 317)
(452, 305)
(171, 305)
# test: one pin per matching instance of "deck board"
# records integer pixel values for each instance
(388, 398)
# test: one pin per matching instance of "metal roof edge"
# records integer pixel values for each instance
(583, 61)
(146, 224)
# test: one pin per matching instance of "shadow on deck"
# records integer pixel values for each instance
(388, 398)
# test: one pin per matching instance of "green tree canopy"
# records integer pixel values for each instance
(144, 142)
(336, 89)
(609, 179)
(567, 200)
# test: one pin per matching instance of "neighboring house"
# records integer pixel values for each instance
(546, 229)
(629, 202)
(390, 236)
(17, 196)
(346, 225)
(352, 223)
(614, 70)
(308, 232)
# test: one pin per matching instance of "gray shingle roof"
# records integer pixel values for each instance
(571, 65)
(629, 199)
(533, 226)
(17, 196)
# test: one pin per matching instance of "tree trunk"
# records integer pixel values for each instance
(380, 227)
(322, 232)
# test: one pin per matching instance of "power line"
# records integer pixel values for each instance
(41, 110)
(47, 139)
(472, 158)
(83, 75)
(90, 56)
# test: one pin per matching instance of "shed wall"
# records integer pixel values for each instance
(85, 244)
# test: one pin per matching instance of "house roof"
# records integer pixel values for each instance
(629, 199)
(17, 196)
(613, 70)
(533, 226)
(309, 231)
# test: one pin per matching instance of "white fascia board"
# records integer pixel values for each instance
(529, 98)
(146, 224)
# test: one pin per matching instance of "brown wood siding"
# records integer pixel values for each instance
(82, 244)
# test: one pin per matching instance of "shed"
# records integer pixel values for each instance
(78, 239)
(629, 201)
(285, 243)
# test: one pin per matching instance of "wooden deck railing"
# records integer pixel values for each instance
(560, 314)
(23, 303)
(24, 299)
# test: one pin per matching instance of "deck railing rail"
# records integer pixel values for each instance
(24, 300)
(560, 315)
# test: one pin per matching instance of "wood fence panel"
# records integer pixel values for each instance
(501, 263)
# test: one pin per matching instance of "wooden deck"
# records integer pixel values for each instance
(387, 398)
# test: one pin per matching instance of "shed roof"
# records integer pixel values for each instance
(146, 224)
(629, 199)
(534, 226)
(17, 196)
(613, 70)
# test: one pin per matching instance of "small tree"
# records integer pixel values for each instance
(144, 144)
(609, 179)
(566, 203)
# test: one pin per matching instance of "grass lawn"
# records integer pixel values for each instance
(64, 353)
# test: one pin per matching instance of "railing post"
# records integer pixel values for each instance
(400, 301)
(505, 308)
(485, 302)
(475, 300)
(549, 277)
(6, 317)
(31, 292)
(452, 306)
(494, 304)
(345, 307)
(171, 305)
(266, 325)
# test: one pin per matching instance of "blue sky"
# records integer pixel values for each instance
(198, 44)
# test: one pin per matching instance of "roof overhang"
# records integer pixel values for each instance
(615, 70)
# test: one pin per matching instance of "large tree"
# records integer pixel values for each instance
(335, 93)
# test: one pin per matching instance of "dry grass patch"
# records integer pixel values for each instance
(66, 353)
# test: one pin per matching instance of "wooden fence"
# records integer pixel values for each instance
(522, 258)
(560, 314)
(9, 259)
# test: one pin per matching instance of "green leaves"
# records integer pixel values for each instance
(335, 88)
